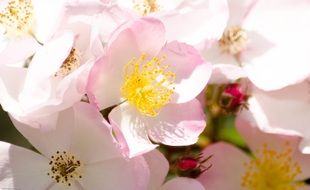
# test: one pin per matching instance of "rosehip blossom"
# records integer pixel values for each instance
(79, 154)
(189, 21)
(55, 79)
(276, 162)
(286, 110)
(150, 79)
(266, 41)
(24, 24)
(159, 167)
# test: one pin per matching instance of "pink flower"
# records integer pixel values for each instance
(79, 153)
(283, 111)
(149, 80)
(159, 167)
(55, 79)
(275, 162)
(189, 21)
(266, 41)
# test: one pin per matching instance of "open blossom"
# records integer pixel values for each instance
(266, 41)
(150, 79)
(55, 78)
(275, 162)
(189, 21)
(159, 167)
(79, 154)
(283, 111)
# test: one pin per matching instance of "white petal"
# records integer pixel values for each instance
(23, 169)
(182, 183)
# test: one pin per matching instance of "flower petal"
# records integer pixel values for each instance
(19, 168)
(119, 173)
(182, 183)
(159, 167)
(177, 128)
(131, 130)
(229, 169)
(192, 72)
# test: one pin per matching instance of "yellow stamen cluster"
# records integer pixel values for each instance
(148, 85)
(233, 40)
(146, 7)
(272, 170)
(17, 17)
(65, 168)
(71, 63)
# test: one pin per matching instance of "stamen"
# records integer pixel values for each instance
(146, 7)
(65, 168)
(234, 40)
(147, 84)
(17, 17)
(71, 63)
(272, 170)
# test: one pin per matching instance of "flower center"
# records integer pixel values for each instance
(148, 85)
(233, 40)
(272, 171)
(146, 6)
(17, 16)
(65, 168)
(71, 63)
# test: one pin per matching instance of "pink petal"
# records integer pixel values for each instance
(131, 130)
(119, 173)
(285, 25)
(227, 167)
(239, 10)
(177, 128)
(192, 72)
(185, 23)
(19, 168)
(159, 168)
(182, 183)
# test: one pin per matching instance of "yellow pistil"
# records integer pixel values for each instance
(65, 168)
(233, 40)
(148, 85)
(272, 170)
(146, 7)
(71, 63)
(17, 17)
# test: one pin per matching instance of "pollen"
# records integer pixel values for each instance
(272, 170)
(17, 16)
(146, 7)
(233, 40)
(148, 84)
(65, 168)
(71, 63)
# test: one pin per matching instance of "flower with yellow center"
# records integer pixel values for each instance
(17, 17)
(148, 85)
(67, 162)
(272, 170)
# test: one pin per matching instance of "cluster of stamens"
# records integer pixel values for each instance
(233, 40)
(146, 7)
(65, 168)
(148, 85)
(272, 170)
(17, 16)
(71, 63)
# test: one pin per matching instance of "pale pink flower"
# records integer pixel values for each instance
(189, 21)
(55, 79)
(266, 41)
(283, 111)
(275, 162)
(159, 167)
(79, 153)
(151, 79)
